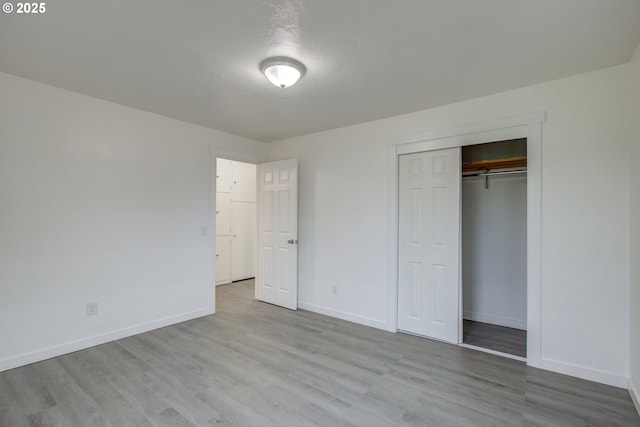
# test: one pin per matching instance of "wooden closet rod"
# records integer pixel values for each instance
(511, 162)
(489, 173)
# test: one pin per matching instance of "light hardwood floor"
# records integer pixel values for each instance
(253, 364)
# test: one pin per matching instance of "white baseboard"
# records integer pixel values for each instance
(83, 343)
(343, 315)
(495, 320)
(635, 395)
(585, 373)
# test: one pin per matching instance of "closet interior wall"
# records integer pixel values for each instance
(494, 239)
(236, 231)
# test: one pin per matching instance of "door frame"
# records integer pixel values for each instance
(214, 154)
(523, 126)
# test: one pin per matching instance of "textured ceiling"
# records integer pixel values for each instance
(198, 61)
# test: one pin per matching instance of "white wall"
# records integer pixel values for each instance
(634, 193)
(585, 264)
(99, 202)
(494, 250)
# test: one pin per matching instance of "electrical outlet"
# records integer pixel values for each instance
(334, 290)
(92, 308)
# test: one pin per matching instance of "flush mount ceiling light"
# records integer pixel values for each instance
(281, 71)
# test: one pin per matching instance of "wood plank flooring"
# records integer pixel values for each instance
(253, 364)
(494, 337)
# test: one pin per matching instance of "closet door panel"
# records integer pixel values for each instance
(223, 214)
(429, 244)
(244, 182)
(224, 176)
(223, 260)
(244, 243)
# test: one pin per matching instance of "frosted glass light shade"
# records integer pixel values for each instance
(282, 75)
(282, 72)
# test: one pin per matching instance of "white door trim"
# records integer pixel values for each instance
(524, 126)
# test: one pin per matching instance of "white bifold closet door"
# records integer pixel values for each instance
(429, 244)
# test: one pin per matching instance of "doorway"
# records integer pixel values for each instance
(527, 126)
(494, 246)
(254, 210)
(462, 220)
(236, 231)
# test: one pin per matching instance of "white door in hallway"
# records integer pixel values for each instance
(429, 244)
(277, 276)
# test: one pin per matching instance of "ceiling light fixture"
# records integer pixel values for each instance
(281, 71)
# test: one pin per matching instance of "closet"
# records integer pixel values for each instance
(462, 245)
(236, 232)
(494, 246)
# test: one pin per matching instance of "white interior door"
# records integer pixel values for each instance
(277, 278)
(429, 244)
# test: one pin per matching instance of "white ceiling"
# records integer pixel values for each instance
(198, 60)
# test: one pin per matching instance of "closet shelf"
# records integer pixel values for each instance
(511, 162)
